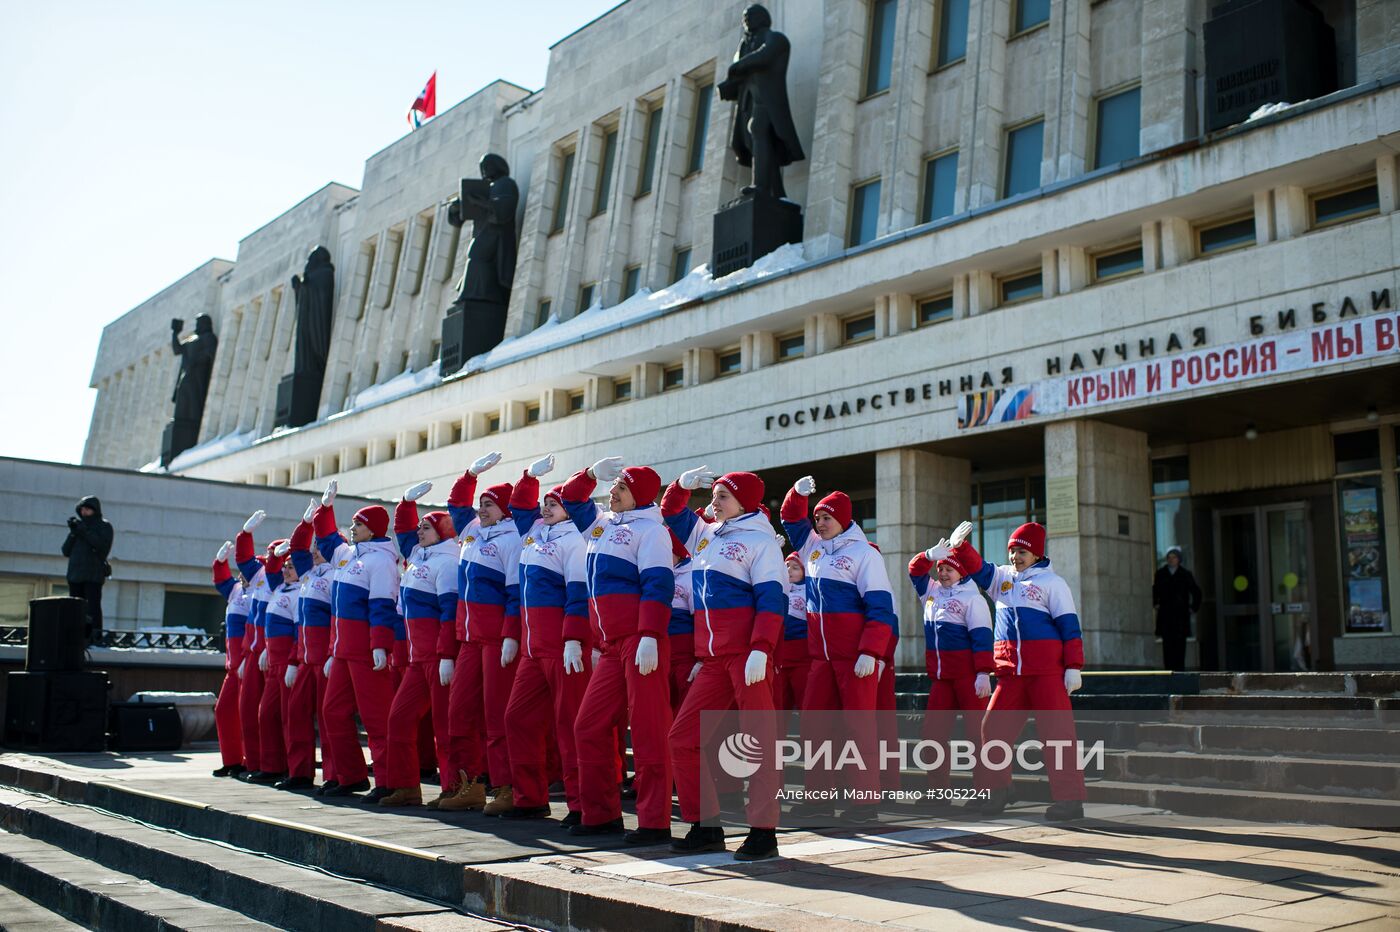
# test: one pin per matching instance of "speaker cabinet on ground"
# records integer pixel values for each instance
(145, 726)
(56, 711)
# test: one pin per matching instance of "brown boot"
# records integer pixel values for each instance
(404, 796)
(451, 791)
(471, 795)
(502, 802)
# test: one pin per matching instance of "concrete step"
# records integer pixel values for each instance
(1342, 778)
(272, 891)
(101, 898)
(20, 914)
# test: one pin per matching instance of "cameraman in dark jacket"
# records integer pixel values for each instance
(1176, 597)
(88, 544)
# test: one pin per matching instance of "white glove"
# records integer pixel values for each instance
(254, 520)
(242, 665)
(694, 672)
(701, 477)
(1073, 680)
(646, 655)
(865, 665)
(222, 555)
(484, 463)
(310, 512)
(542, 466)
(445, 668)
(597, 655)
(879, 669)
(291, 678)
(938, 551)
(573, 657)
(415, 492)
(381, 658)
(326, 670)
(756, 667)
(982, 686)
(510, 649)
(607, 469)
(961, 533)
(262, 660)
(283, 549)
(805, 486)
(328, 496)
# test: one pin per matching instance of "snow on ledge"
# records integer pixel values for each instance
(212, 449)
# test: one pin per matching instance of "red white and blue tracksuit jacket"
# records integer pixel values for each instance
(957, 624)
(259, 593)
(314, 601)
(628, 565)
(488, 569)
(235, 614)
(427, 589)
(281, 623)
(1037, 628)
(738, 578)
(682, 601)
(364, 590)
(795, 624)
(553, 578)
(850, 608)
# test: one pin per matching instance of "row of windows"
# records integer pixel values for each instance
(631, 284)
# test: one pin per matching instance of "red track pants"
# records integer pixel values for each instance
(1013, 701)
(272, 729)
(543, 703)
(226, 721)
(618, 696)
(420, 692)
(354, 685)
(833, 686)
(466, 720)
(718, 687)
(945, 699)
(682, 661)
(250, 690)
(794, 662)
(303, 706)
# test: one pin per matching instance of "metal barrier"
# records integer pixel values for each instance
(18, 636)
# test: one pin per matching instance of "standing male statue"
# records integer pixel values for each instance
(763, 134)
(315, 294)
(476, 321)
(191, 386)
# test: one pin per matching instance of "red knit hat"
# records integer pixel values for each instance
(374, 517)
(838, 505)
(500, 494)
(1030, 536)
(795, 559)
(442, 523)
(556, 493)
(746, 486)
(677, 548)
(643, 483)
(952, 561)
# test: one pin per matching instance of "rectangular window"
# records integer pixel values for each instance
(1029, 14)
(728, 362)
(865, 212)
(1118, 263)
(622, 390)
(1023, 148)
(672, 377)
(532, 414)
(605, 172)
(193, 610)
(561, 201)
(998, 508)
(455, 434)
(940, 182)
(952, 32)
(1352, 204)
(1171, 506)
(700, 127)
(793, 347)
(936, 310)
(14, 602)
(879, 50)
(493, 424)
(1355, 452)
(1119, 120)
(542, 314)
(1222, 237)
(858, 329)
(585, 296)
(631, 281)
(575, 402)
(1018, 288)
(680, 264)
(653, 144)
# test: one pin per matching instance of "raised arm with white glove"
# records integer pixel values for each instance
(484, 463)
(328, 496)
(542, 466)
(647, 657)
(607, 469)
(938, 551)
(805, 486)
(961, 533)
(415, 492)
(310, 511)
(222, 555)
(254, 520)
(701, 477)
(283, 549)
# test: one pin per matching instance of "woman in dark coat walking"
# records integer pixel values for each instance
(88, 544)
(1176, 597)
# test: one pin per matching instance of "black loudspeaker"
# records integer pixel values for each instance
(56, 711)
(57, 635)
(144, 726)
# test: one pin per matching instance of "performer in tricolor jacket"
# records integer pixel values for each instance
(306, 673)
(226, 723)
(794, 657)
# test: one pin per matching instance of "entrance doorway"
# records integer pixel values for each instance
(1264, 587)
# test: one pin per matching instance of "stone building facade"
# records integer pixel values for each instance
(1031, 285)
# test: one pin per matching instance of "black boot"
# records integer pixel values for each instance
(265, 777)
(994, 805)
(376, 794)
(861, 815)
(573, 818)
(761, 844)
(327, 788)
(526, 812)
(229, 770)
(700, 838)
(648, 836)
(349, 789)
(606, 828)
(294, 783)
(1064, 811)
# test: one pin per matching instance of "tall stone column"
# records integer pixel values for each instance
(1098, 487)
(919, 497)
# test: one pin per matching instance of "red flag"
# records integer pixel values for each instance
(425, 106)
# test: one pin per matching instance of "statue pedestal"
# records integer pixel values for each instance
(180, 434)
(470, 329)
(1262, 52)
(749, 228)
(298, 395)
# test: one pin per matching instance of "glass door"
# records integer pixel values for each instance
(1264, 587)
(1239, 589)
(1290, 597)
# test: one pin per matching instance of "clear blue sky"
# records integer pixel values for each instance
(139, 139)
